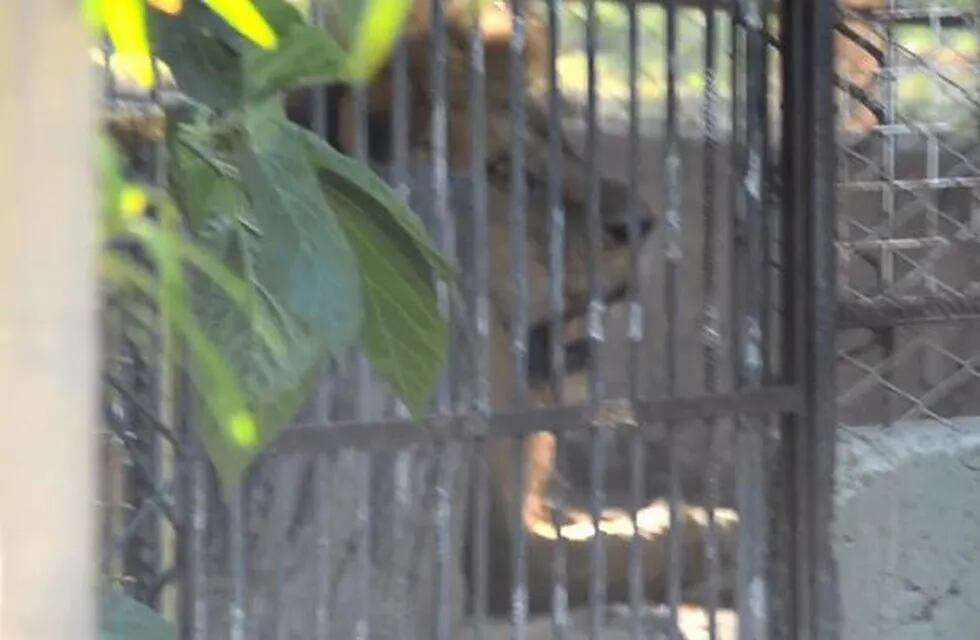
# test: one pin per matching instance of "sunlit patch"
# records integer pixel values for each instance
(652, 521)
(241, 427)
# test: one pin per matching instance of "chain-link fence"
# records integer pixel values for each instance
(908, 214)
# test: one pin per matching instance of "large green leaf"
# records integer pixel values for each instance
(404, 335)
(273, 355)
(203, 53)
(203, 181)
(276, 377)
(365, 187)
(281, 14)
(304, 256)
(123, 618)
(307, 55)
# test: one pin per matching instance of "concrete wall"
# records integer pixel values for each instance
(908, 530)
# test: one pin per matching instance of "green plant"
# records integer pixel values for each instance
(270, 251)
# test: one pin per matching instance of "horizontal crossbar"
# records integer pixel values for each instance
(396, 433)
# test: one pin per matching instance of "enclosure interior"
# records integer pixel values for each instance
(641, 356)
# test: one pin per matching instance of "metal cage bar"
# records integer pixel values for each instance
(809, 206)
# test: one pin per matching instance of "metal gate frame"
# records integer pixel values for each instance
(796, 552)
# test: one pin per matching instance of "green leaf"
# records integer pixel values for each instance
(277, 378)
(304, 258)
(203, 182)
(274, 355)
(215, 380)
(281, 14)
(123, 618)
(366, 188)
(204, 57)
(404, 336)
(307, 55)
(277, 390)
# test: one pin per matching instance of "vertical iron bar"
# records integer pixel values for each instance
(400, 118)
(237, 562)
(596, 333)
(287, 478)
(710, 329)
(197, 545)
(321, 409)
(519, 320)
(321, 514)
(448, 388)
(481, 311)
(519, 593)
(556, 268)
(596, 314)
(597, 556)
(672, 240)
(362, 627)
(318, 95)
(751, 589)
(321, 518)
(890, 153)
(481, 524)
(364, 409)
(403, 510)
(822, 336)
(443, 527)
(796, 612)
(809, 178)
(635, 335)
(442, 219)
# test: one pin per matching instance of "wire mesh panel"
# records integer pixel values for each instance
(626, 434)
(908, 212)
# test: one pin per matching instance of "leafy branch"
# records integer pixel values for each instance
(269, 251)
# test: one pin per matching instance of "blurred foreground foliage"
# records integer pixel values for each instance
(268, 252)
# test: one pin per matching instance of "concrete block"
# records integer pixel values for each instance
(907, 530)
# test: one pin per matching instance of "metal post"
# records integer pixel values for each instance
(809, 201)
(48, 324)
